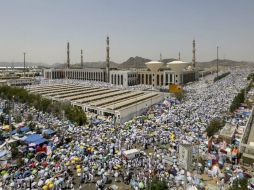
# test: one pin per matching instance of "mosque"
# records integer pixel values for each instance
(157, 74)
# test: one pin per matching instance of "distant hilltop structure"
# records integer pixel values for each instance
(156, 74)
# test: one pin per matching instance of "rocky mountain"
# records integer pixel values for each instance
(134, 62)
(222, 62)
(99, 64)
(20, 64)
(139, 62)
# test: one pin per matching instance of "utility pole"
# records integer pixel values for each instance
(24, 64)
(217, 61)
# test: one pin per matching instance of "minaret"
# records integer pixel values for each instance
(107, 62)
(160, 57)
(217, 61)
(179, 56)
(194, 54)
(68, 55)
(81, 56)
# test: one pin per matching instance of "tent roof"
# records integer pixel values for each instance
(95, 122)
(23, 129)
(32, 138)
(48, 131)
(39, 141)
(3, 153)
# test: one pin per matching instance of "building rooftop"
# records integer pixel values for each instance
(94, 97)
(177, 62)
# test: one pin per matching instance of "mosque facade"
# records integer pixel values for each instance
(156, 78)
(156, 74)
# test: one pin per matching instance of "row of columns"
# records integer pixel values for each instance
(156, 79)
(116, 79)
(78, 75)
(83, 75)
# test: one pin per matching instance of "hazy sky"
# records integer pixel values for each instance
(136, 28)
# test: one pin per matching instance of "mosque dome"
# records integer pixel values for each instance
(154, 65)
(178, 65)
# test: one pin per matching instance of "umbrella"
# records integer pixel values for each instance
(44, 164)
(12, 184)
(3, 172)
(106, 174)
(114, 187)
(34, 171)
(240, 175)
(51, 185)
(32, 165)
(251, 180)
(5, 176)
(76, 158)
(78, 170)
(27, 173)
(141, 185)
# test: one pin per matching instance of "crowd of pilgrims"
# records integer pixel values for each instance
(89, 157)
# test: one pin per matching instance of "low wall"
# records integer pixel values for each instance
(139, 108)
